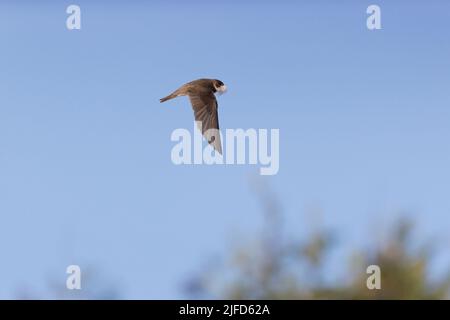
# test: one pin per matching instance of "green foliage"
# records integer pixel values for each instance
(275, 268)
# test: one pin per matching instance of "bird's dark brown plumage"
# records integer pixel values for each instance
(204, 103)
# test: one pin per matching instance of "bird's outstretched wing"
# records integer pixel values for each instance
(205, 111)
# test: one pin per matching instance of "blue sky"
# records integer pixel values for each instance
(85, 170)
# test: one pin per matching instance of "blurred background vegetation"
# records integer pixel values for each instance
(276, 266)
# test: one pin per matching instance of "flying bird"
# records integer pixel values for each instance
(204, 103)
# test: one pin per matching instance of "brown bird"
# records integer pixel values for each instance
(201, 94)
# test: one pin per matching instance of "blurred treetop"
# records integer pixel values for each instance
(274, 267)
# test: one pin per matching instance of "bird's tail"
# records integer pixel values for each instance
(170, 96)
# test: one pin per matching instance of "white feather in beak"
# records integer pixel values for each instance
(222, 89)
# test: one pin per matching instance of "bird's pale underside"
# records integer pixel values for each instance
(201, 93)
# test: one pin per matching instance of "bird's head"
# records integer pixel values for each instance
(219, 86)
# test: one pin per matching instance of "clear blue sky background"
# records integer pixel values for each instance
(85, 170)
